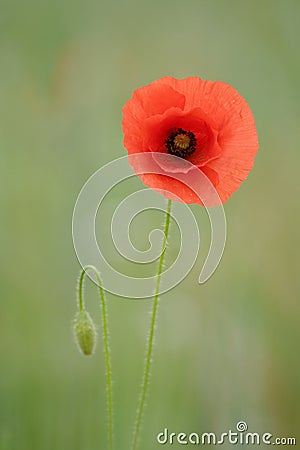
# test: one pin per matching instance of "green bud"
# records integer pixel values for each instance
(85, 332)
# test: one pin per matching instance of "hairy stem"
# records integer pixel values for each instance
(106, 343)
(147, 369)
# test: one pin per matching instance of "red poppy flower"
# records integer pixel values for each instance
(206, 123)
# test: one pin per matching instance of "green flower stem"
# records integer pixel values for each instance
(106, 344)
(147, 369)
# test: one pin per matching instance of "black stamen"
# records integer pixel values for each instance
(181, 143)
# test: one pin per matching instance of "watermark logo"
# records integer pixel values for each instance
(241, 426)
(88, 205)
(240, 436)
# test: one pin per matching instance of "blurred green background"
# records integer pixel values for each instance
(225, 351)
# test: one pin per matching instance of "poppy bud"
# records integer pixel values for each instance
(85, 332)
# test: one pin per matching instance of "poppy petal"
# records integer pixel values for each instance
(217, 115)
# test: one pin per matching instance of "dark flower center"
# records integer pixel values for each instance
(181, 143)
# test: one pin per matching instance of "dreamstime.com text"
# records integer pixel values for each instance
(239, 436)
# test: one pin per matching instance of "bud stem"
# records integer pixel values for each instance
(106, 343)
(147, 369)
